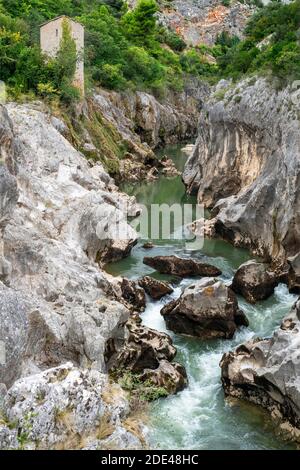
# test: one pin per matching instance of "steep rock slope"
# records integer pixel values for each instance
(246, 166)
(121, 130)
(54, 210)
(200, 21)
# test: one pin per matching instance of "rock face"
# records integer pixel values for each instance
(201, 21)
(266, 372)
(158, 123)
(207, 309)
(61, 218)
(247, 161)
(180, 266)
(64, 408)
(156, 289)
(136, 124)
(254, 282)
(55, 238)
(14, 330)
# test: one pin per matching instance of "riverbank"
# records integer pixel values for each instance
(199, 417)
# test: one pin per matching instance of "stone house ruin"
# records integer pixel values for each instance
(50, 39)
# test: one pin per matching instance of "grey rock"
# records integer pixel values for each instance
(169, 376)
(266, 372)
(8, 438)
(254, 281)
(207, 309)
(142, 349)
(52, 245)
(182, 267)
(293, 276)
(133, 294)
(60, 126)
(14, 330)
(155, 288)
(201, 21)
(147, 354)
(62, 407)
(8, 194)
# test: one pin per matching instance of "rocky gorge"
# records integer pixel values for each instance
(91, 318)
(245, 168)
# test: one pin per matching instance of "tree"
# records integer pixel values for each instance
(66, 65)
(139, 25)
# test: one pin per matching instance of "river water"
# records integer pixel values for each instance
(199, 417)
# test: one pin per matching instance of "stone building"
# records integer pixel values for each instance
(50, 38)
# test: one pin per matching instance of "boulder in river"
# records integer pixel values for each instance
(156, 289)
(182, 267)
(266, 372)
(146, 354)
(254, 281)
(207, 309)
(169, 376)
(143, 348)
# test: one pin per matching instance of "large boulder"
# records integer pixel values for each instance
(207, 309)
(266, 372)
(169, 376)
(156, 289)
(254, 281)
(182, 267)
(143, 348)
(63, 408)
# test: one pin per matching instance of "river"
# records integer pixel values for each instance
(199, 417)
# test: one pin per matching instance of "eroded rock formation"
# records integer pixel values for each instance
(61, 219)
(148, 354)
(266, 372)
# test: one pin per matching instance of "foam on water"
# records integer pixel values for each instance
(199, 417)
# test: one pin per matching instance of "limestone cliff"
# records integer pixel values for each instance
(61, 218)
(122, 130)
(246, 166)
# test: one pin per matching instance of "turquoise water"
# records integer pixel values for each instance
(199, 417)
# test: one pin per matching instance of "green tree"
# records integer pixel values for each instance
(139, 25)
(66, 65)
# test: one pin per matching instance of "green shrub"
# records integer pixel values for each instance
(110, 76)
